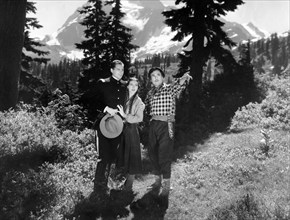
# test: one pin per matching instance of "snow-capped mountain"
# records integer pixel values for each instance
(148, 28)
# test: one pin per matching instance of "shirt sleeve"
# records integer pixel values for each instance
(176, 88)
(138, 115)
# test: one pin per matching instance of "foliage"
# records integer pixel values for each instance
(209, 41)
(119, 36)
(44, 169)
(274, 50)
(67, 114)
(24, 130)
(272, 112)
(58, 75)
(107, 39)
(30, 85)
(73, 178)
(96, 59)
(31, 45)
(220, 99)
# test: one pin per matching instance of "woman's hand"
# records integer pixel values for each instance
(121, 111)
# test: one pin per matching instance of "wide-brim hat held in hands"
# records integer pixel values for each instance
(111, 126)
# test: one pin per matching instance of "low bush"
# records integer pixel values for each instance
(67, 114)
(26, 134)
(45, 169)
(273, 112)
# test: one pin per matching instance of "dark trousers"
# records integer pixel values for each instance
(160, 148)
(108, 155)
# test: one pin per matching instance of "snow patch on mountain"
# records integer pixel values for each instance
(159, 44)
(148, 29)
(254, 31)
(53, 40)
(131, 21)
(132, 18)
(284, 34)
(233, 36)
(75, 20)
(73, 54)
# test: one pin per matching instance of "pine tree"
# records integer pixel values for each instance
(274, 53)
(29, 84)
(95, 46)
(199, 20)
(156, 60)
(30, 44)
(168, 61)
(120, 36)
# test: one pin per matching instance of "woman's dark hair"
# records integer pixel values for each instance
(132, 99)
(155, 68)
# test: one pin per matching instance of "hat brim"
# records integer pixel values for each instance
(109, 134)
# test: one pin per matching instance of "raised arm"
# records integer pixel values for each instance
(179, 84)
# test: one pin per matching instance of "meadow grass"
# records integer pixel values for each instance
(229, 177)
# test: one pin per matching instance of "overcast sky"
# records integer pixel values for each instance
(269, 15)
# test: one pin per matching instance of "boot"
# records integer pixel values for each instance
(157, 184)
(129, 182)
(164, 195)
(165, 187)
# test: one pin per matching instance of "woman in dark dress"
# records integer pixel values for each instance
(130, 146)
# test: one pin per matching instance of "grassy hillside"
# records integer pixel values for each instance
(229, 176)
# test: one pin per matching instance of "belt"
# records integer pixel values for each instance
(163, 118)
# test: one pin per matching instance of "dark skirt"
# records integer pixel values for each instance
(129, 156)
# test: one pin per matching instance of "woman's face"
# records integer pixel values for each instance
(133, 87)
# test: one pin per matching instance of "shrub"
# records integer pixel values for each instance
(44, 170)
(68, 115)
(26, 193)
(26, 130)
(272, 112)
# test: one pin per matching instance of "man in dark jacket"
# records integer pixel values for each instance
(107, 94)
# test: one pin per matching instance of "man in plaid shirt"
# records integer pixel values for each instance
(160, 105)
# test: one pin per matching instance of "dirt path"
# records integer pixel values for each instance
(142, 204)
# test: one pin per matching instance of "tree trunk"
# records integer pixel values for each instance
(199, 58)
(12, 20)
(196, 71)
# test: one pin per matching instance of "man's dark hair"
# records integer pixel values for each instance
(156, 68)
(115, 63)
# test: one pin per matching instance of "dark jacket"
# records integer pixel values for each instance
(107, 92)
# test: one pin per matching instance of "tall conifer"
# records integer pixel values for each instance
(94, 47)
(29, 84)
(119, 36)
(199, 20)
(30, 44)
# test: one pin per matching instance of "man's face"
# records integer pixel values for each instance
(118, 71)
(156, 78)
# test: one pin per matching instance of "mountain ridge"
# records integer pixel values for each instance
(150, 32)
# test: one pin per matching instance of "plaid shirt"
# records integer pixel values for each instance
(161, 100)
